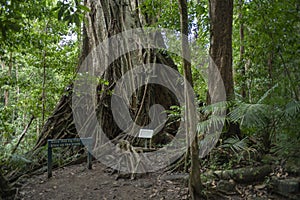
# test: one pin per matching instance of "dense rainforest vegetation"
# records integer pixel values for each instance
(254, 43)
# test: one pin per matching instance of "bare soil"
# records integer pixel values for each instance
(77, 182)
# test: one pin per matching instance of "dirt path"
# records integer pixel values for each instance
(77, 182)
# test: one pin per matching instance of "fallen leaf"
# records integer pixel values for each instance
(259, 187)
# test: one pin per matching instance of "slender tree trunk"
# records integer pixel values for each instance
(17, 81)
(195, 185)
(242, 51)
(44, 88)
(23, 134)
(44, 80)
(270, 68)
(186, 55)
(6, 91)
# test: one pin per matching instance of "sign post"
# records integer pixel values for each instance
(53, 143)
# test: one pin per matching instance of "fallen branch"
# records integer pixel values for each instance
(23, 134)
(243, 175)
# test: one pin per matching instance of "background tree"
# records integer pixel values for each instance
(271, 63)
(23, 40)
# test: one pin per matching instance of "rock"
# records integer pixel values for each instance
(182, 176)
(144, 184)
(147, 185)
(288, 186)
(260, 187)
(226, 186)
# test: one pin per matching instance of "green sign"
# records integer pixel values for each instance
(54, 143)
(65, 142)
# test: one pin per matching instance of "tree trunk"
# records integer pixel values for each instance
(195, 185)
(108, 18)
(242, 51)
(6, 91)
(221, 17)
(44, 63)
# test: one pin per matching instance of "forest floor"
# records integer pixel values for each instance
(77, 182)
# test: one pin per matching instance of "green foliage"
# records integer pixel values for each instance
(70, 11)
(268, 71)
(239, 149)
(250, 115)
(11, 16)
(271, 48)
(39, 42)
(271, 122)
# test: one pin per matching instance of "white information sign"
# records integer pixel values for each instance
(146, 133)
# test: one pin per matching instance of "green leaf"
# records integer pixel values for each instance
(56, 8)
(60, 13)
(267, 93)
(292, 109)
(83, 8)
(250, 115)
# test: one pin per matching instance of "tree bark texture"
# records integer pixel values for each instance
(221, 17)
(105, 19)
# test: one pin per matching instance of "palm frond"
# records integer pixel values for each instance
(250, 115)
(214, 122)
(240, 147)
(266, 94)
(235, 144)
(215, 108)
(292, 109)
